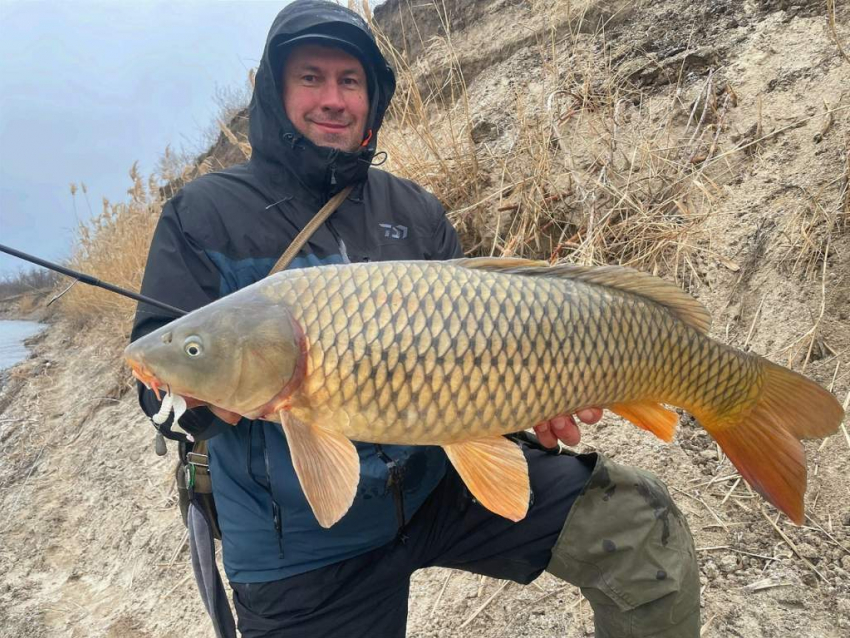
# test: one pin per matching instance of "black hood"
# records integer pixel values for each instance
(274, 140)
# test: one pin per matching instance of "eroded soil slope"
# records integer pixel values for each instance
(90, 538)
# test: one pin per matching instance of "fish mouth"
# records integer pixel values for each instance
(146, 376)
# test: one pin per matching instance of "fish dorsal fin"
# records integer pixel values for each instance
(678, 302)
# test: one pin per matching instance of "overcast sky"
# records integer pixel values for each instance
(87, 88)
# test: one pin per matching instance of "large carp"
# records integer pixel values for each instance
(459, 353)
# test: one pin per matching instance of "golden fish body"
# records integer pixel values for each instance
(429, 353)
(458, 353)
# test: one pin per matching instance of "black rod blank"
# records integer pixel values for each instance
(91, 281)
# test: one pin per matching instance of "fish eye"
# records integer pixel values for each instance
(193, 346)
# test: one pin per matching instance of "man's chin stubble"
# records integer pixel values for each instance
(338, 142)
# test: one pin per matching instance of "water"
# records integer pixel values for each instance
(12, 335)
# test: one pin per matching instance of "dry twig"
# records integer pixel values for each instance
(792, 546)
(442, 591)
(485, 604)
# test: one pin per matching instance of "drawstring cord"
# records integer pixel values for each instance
(395, 482)
(374, 161)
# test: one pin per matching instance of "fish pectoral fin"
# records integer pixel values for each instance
(649, 416)
(327, 466)
(495, 471)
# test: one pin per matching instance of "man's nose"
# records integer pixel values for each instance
(332, 97)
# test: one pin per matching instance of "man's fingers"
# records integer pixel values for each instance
(544, 434)
(562, 427)
(565, 428)
(228, 417)
(589, 415)
(192, 403)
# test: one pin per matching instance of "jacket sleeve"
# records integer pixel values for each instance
(179, 273)
(444, 241)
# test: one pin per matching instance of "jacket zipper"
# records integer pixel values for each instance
(332, 167)
(277, 518)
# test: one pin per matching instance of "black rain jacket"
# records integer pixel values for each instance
(224, 231)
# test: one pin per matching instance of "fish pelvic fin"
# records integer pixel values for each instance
(327, 466)
(765, 445)
(496, 473)
(679, 303)
(650, 416)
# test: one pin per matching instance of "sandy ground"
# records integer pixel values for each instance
(91, 543)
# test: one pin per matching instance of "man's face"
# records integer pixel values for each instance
(325, 96)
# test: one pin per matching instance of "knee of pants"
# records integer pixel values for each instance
(626, 543)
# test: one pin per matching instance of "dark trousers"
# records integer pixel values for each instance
(367, 595)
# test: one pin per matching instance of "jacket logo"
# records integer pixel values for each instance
(396, 232)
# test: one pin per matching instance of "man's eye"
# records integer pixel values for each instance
(310, 79)
(351, 81)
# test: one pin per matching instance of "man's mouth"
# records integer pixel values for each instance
(331, 126)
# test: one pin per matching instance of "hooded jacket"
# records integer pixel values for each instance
(224, 231)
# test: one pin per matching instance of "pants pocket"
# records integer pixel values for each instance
(629, 548)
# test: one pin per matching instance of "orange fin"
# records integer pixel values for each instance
(495, 471)
(649, 416)
(327, 466)
(765, 445)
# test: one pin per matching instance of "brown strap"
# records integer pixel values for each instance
(311, 227)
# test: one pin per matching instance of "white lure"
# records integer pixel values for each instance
(171, 402)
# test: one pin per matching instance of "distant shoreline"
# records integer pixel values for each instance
(13, 309)
(28, 343)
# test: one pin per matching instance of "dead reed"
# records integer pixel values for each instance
(113, 246)
(587, 168)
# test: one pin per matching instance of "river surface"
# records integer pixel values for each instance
(12, 335)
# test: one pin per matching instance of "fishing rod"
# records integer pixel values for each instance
(91, 281)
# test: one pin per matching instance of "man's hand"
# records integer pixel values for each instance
(564, 427)
(228, 417)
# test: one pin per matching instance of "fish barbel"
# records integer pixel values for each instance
(459, 353)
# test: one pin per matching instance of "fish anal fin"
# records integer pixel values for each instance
(496, 473)
(327, 466)
(664, 293)
(649, 416)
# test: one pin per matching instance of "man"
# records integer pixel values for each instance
(321, 92)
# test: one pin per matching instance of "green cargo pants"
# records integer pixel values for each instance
(629, 549)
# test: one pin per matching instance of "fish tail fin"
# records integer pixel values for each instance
(765, 444)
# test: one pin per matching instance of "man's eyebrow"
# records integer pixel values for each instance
(306, 66)
(311, 68)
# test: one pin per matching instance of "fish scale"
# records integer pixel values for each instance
(458, 353)
(534, 359)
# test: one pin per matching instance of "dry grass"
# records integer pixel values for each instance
(588, 170)
(823, 214)
(113, 246)
(591, 168)
(591, 171)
